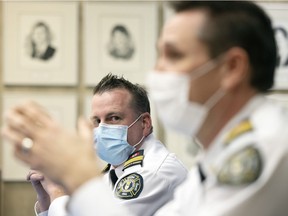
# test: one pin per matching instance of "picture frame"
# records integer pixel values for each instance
(63, 107)
(278, 13)
(168, 12)
(40, 43)
(88, 105)
(119, 38)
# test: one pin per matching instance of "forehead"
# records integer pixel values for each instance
(115, 100)
(183, 28)
(39, 28)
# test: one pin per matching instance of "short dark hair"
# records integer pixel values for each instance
(139, 102)
(46, 27)
(242, 24)
(120, 28)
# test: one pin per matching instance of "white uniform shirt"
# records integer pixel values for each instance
(161, 173)
(246, 176)
(144, 188)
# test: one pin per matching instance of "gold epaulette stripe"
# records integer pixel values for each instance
(106, 168)
(242, 128)
(138, 158)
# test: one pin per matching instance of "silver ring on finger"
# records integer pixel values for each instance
(27, 145)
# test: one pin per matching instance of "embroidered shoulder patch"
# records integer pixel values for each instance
(134, 159)
(243, 167)
(244, 127)
(129, 187)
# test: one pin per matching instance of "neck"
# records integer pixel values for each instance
(41, 47)
(221, 114)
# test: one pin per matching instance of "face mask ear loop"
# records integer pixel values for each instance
(142, 136)
(135, 121)
(138, 142)
(203, 69)
(212, 101)
(207, 67)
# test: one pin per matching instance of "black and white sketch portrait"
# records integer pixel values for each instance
(121, 44)
(39, 42)
(281, 36)
(119, 37)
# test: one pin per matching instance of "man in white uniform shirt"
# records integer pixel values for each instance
(216, 62)
(140, 169)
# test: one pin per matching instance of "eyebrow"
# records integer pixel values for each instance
(170, 45)
(167, 44)
(107, 115)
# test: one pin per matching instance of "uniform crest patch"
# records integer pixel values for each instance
(129, 187)
(243, 167)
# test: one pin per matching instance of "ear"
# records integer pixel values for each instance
(146, 124)
(235, 69)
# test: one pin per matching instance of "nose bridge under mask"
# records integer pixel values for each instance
(111, 142)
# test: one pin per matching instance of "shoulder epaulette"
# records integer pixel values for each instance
(242, 128)
(106, 168)
(135, 158)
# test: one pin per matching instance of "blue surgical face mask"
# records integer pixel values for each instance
(111, 142)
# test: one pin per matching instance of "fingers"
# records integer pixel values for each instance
(18, 153)
(16, 139)
(35, 112)
(85, 129)
(34, 175)
(12, 135)
(27, 118)
(15, 121)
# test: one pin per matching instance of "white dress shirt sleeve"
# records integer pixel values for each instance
(95, 198)
(58, 207)
(45, 213)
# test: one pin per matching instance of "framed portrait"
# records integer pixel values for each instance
(119, 37)
(40, 43)
(62, 107)
(279, 15)
(88, 105)
(167, 11)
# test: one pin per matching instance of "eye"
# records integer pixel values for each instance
(95, 122)
(114, 118)
(173, 54)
